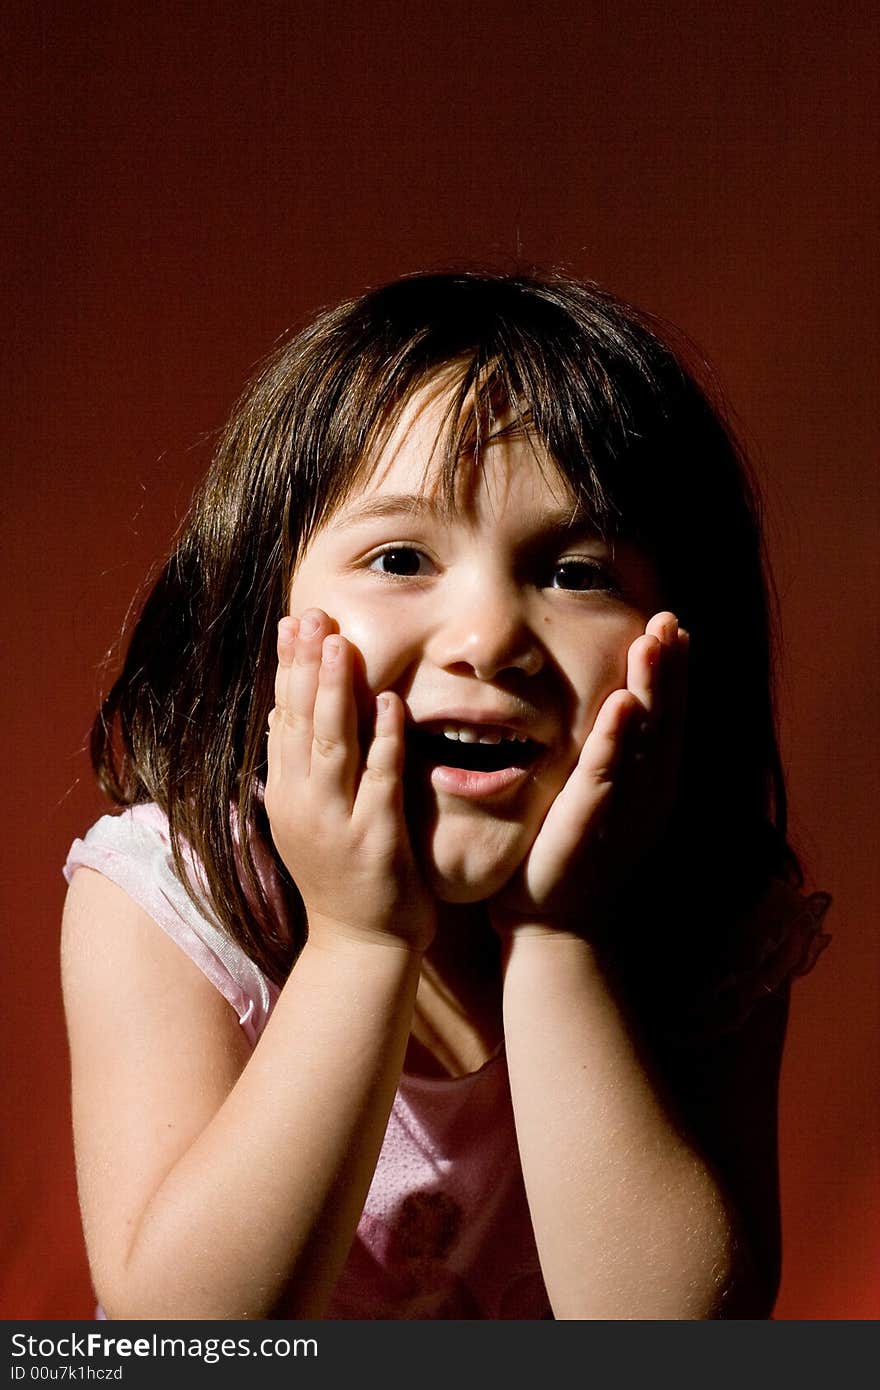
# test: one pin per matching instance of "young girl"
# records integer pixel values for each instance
(460, 992)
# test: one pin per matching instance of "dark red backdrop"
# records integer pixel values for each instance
(187, 181)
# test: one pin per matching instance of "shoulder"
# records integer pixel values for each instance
(696, 967)
(115, 960)
(132, 850)
(763, 953)
(142, 1019)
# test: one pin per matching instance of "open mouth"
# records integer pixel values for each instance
(486, 751)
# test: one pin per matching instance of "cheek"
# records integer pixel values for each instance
(385, 646)
(593, 675)
(382, 645)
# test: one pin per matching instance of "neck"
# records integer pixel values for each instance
(457, 1024)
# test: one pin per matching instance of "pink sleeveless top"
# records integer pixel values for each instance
(445, 1230)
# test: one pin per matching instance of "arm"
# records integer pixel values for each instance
(631, 1218)
(640, 1203)
(214, 1185)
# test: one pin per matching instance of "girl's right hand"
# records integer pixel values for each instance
(337, 819)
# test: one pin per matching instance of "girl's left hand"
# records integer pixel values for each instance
(615, 801)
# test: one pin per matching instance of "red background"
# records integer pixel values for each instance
(189, 181)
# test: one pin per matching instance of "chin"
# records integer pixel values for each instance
(460, 892)
(471, 878)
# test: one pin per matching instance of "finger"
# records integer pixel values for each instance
(674, 710)
(672, 673)
(657, 747)
(335, 752)
(381, 784)
(604, 749)
(675, 681)
(643, 671)
(287, 631)
(664, 626)
(297, 689)
(600, 757)
(586, 793)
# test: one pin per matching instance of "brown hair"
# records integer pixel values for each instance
(630, 429)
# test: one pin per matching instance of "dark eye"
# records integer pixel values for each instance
(581, 576)
(401, 560)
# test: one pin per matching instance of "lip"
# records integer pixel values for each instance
(477, 786)
(506, 720)
(469, 783)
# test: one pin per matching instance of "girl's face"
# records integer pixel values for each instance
(506, 625)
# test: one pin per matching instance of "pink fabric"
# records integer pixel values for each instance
(445, 1231)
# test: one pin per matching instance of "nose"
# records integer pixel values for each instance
(485, 630)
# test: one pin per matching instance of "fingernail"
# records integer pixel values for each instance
(330, 650)
(383, 703)
(309, 625)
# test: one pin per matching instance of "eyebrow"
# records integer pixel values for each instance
(560, 520)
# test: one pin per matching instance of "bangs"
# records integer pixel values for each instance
(557, 363)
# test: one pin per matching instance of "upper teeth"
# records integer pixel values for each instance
(470, 735)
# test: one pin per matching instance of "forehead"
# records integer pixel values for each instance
(455, 454)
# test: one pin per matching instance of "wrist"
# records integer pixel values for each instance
(591, 924)
(335, 935)
(529, 941)
(588, 915)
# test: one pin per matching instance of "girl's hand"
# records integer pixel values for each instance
(336, 817)
(616, 799)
